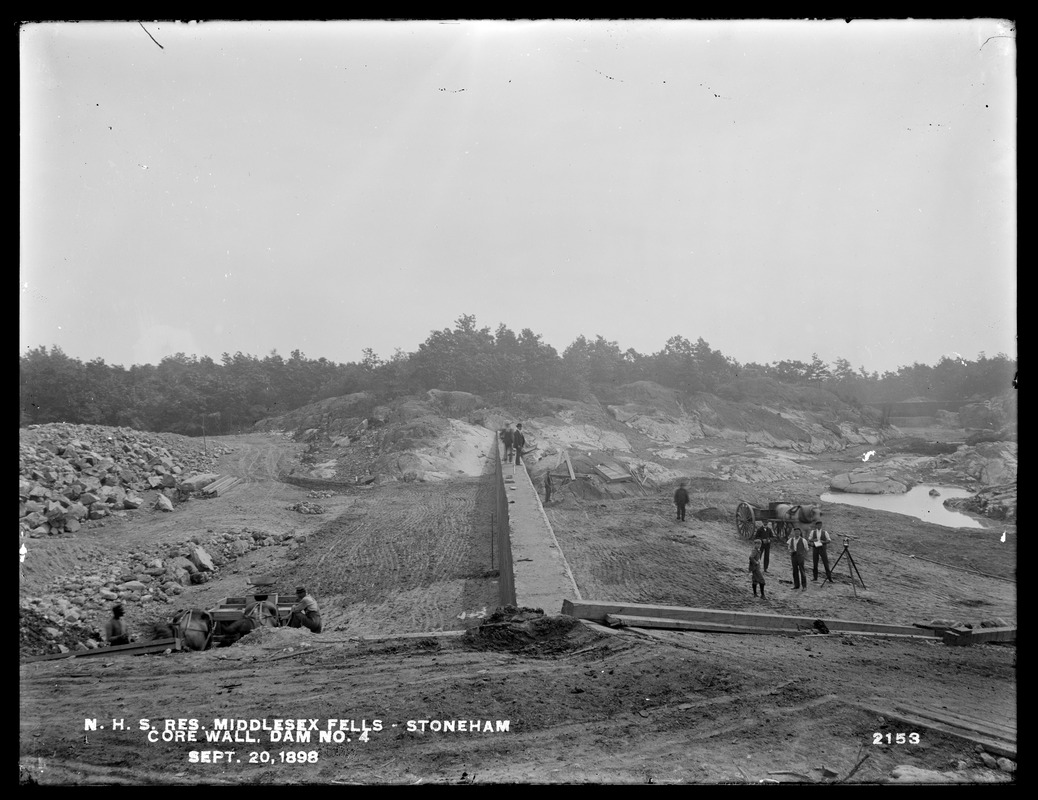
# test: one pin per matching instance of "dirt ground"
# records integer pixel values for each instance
(581, 704)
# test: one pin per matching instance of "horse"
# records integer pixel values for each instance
(195, 629)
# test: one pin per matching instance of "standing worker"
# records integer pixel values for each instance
(798, 556)
(681, 500)
(756, 573)
(305, 613)
(116, 630)
(507, 438)
(518, 440)
(763, 538)
(819, 540)
(548, 486)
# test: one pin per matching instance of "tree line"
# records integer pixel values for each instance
(192, 395)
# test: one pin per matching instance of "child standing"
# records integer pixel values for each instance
(757, 573)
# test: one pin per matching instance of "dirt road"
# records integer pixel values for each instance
(579, 704)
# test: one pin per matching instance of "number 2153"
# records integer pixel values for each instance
(895, 738)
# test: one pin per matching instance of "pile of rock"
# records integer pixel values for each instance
(306, 507)
(71, 615)
(72, 474)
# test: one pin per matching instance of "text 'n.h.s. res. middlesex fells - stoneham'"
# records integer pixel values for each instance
(228, 730)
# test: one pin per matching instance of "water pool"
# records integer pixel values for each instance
(916, 502)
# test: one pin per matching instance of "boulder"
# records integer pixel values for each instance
(180, 562)
(163, 503)
(201, 559)
(867, 482)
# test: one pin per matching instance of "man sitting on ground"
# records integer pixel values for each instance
(116, 630)
(305, 613)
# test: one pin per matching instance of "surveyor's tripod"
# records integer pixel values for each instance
(852, 568)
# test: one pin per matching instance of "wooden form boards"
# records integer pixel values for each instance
(629, 621)
(611, 474)
(196, 482)
(599, 610)
(135, 649)
(217, 487)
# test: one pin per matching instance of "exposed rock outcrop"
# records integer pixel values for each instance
(864, 481)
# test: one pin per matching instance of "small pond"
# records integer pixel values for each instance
(916, 502)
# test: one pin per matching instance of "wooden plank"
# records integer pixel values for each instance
(141, 648)
(626, 620)
(597, 611)
(199, 481)
(569, 465)
(1007, 732)
(610, 473)
(966, 638)
(998, 746)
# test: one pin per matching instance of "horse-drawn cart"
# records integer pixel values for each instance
(225, 622)
(783, 515)
(232, 609)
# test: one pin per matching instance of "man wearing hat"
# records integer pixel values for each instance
(518, 442)
(116, 630)
(305, 613)
(681, 500)
(819, 540)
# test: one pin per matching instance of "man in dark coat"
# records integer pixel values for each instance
(548, 486)
(518, 440)
(681, 500)
(763, 538)
(756, 575)
(507, 438)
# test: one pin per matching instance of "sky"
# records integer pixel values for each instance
(777, 188)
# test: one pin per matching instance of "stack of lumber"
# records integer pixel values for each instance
(221, 485)
(641, 615)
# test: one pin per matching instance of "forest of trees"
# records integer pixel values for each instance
(186, 394)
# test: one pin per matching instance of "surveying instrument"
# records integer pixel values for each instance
(852, 568)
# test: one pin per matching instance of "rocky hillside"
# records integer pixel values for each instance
(646, 429)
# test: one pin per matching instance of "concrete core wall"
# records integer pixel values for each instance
(502, 548)
(533, 569)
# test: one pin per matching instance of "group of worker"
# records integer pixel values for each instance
(513, 441)
(260, 611)
(817, 542)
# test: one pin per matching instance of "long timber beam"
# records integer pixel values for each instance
(599, 610)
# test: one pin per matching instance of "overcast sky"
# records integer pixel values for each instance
(776, 188)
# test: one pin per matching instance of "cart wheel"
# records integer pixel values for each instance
(744, 521)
